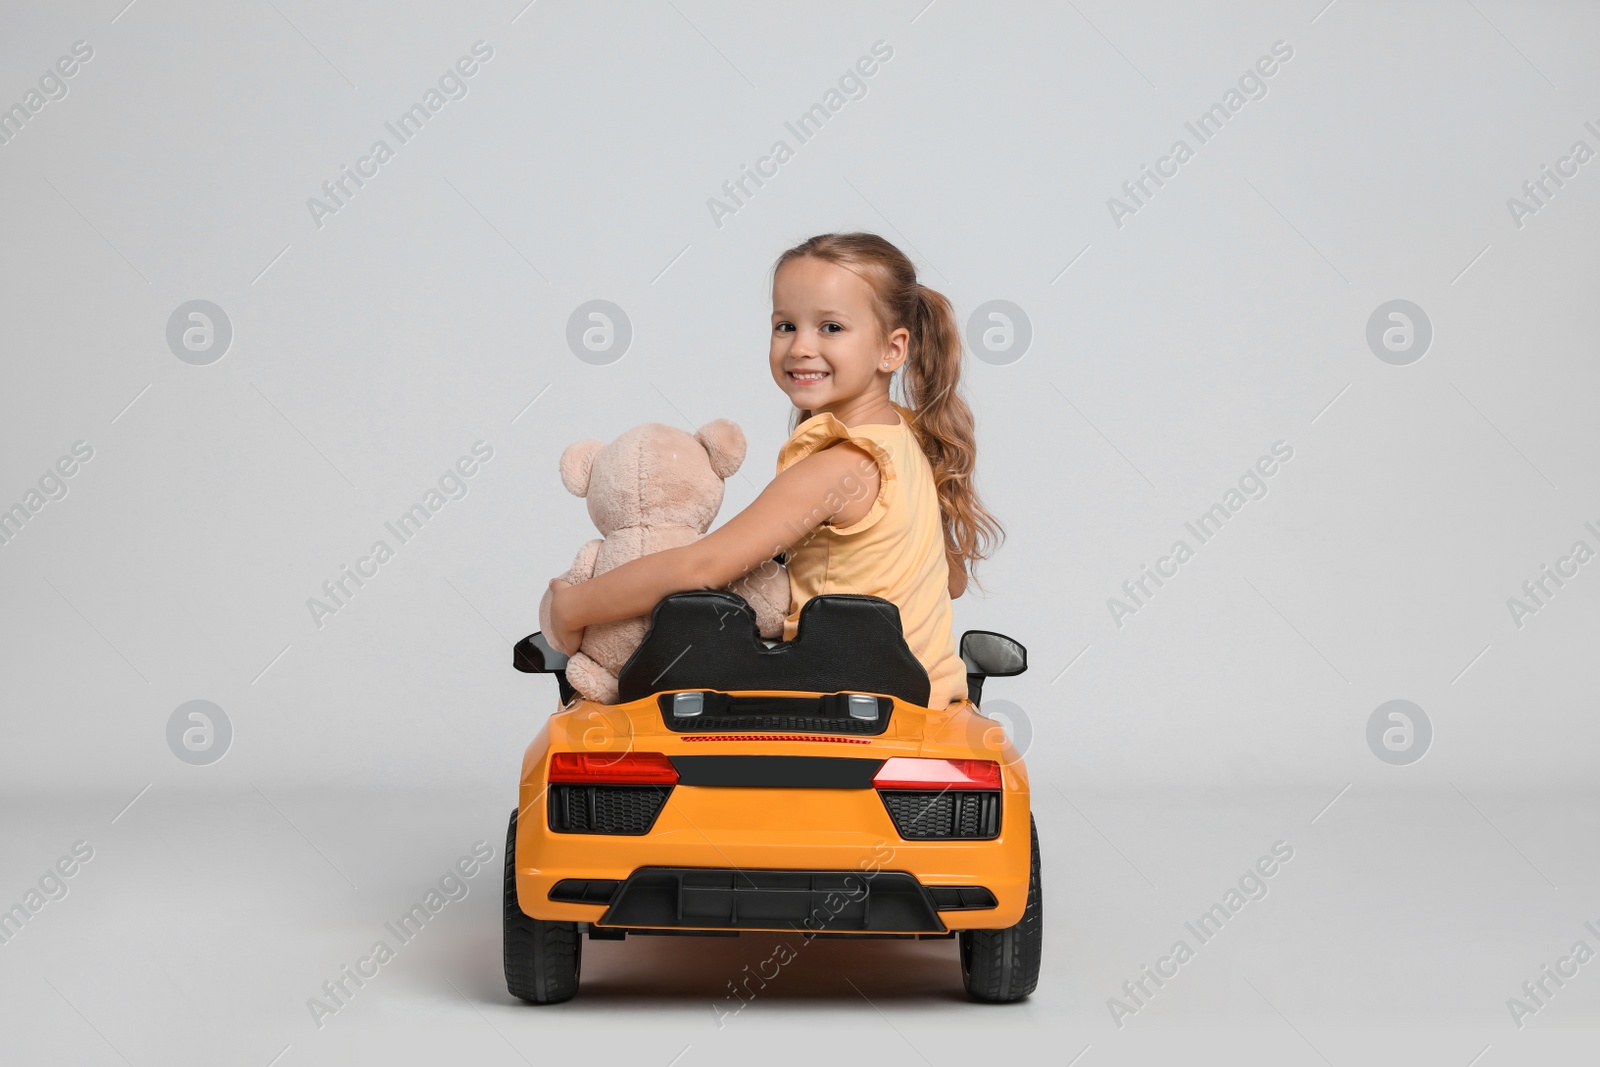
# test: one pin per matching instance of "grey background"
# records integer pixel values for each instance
(1167, 355)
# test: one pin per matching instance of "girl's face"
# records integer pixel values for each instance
(827, 353)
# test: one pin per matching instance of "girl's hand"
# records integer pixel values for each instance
(563, 636)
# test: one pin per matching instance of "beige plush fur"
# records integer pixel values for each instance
(655, 487)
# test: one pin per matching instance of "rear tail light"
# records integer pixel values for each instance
(629, 768)
(913, 772)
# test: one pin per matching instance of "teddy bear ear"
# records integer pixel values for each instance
(577, 464)
(724, 442)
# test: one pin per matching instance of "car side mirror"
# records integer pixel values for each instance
(988, 654)
(534, 655)
(992, 655)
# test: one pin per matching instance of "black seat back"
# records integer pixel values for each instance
(708, 640)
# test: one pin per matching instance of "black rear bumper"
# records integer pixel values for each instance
(712, 898)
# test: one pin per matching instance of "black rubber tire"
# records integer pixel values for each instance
(542, 958)
(999, 966)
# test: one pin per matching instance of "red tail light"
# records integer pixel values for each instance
(915, 772)
(628, 768)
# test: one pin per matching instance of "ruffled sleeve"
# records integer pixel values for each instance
(822, 430)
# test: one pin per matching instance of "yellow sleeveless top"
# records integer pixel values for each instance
(895, 552)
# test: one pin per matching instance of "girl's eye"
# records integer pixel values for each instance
(785, 327)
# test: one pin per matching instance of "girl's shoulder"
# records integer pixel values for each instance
(857, 462)
(822, 432)
(880, 441)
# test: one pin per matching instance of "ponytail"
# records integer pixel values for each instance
(929, 381)
(943, 426)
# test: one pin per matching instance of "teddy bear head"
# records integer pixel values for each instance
(655, 475)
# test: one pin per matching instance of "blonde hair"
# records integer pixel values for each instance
(929, 380)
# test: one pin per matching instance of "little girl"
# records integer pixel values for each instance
(871, 497)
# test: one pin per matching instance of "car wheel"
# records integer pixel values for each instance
(1003, 965)
(542, 958)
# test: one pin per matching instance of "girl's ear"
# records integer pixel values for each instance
(724, 442)
(577, 464)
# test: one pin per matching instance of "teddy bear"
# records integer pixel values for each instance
(655, 487)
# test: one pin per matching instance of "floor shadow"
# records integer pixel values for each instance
(775, 968)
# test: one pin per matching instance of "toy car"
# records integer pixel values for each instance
(801, 786)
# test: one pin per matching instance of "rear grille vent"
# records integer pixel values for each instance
(829, 713)
(801, 724)
(606, 809)
(951, 814)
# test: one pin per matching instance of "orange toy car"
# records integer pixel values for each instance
(801, 787)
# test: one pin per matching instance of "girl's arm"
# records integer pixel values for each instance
(837, 484)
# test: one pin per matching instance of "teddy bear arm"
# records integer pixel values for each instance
(584, 563)
(766, 590)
